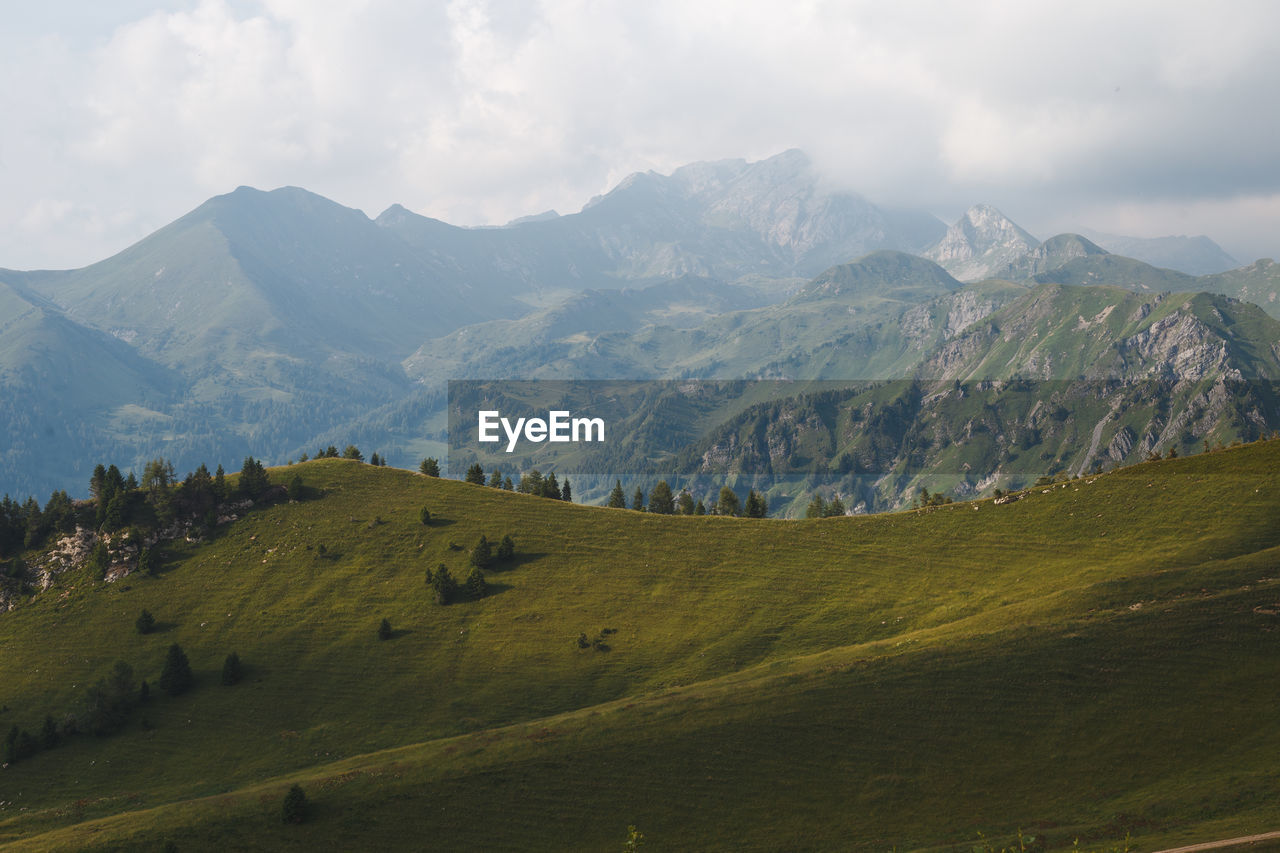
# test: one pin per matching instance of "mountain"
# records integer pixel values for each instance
(1061, 379)
(1191, 255)
(847, 322)
(981, 244)
(63, 387)
(729, 220)
(898, 681)
(1258, 283)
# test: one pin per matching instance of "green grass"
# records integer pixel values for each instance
(1081, 663)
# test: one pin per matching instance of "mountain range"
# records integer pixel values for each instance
(268, 323)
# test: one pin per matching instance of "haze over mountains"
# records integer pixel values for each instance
(268, 323)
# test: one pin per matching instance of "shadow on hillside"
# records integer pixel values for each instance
(397, 633)
(162, 627)
(516, 561)
(492, 589)
(440, 522)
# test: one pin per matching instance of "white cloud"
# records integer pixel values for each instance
(483, 110)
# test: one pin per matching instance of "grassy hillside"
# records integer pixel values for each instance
(1093, 659)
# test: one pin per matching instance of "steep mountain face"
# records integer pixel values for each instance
(981, 244)
(1062, 380)
(1191, 255)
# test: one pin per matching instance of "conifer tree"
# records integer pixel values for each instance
(565, 494)
(476, 586)
(424, 515)
(728, 503)
(232, 672)
(352, 452)
(475, 474)
(443, 584)
(661, 500)
(685, 503)
(495, 479)
(506, 549)
(176, 678)
(637, 500)
(617, 499)
(146, 622)
(294, 809)
(384, 630)
(482, 554)
(430, 467)
(756, 506)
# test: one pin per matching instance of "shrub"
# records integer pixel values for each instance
(294, 809)
(424, 515)
(384, 630)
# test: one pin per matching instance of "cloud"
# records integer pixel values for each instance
(482, 110)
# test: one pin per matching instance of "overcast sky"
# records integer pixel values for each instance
(1139, 118)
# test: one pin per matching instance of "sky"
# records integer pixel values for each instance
(1138, 118)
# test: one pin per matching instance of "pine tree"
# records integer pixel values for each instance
(550, 487)
(476, 586)
(482, 554)
(617, 499)
(430, 467)
(384, 630)
(506, 549)
(220, 485)
(375, 460)
(49, 737)
(295, 488)
(565, 494)
(835, 508)
(475, 474)
(495, 479)
(685, 503)
(817, 508)
(100, 559)
(700, 509)
(728, 503)
(637, 500)
(176, 678)
(661, 500)
(232, 672)
(757, 506)
(352, 452)
(424, 515)
(146, 561)
(294, 809)
(507, 485)
(146, 622)
(443, 584)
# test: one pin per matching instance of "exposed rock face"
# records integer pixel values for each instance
(981, 244)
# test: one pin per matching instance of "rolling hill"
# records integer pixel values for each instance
(1090, 661)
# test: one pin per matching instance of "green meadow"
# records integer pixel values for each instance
(1093, 662)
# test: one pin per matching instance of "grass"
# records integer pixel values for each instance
(1082, 663)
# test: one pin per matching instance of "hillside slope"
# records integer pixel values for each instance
(1098, 648)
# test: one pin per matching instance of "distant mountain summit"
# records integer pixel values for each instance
(981, 244)
(1192, 255)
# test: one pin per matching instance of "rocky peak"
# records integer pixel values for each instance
(981, 243)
